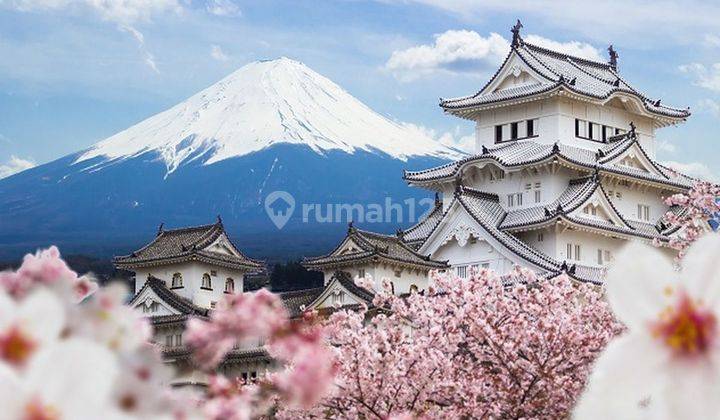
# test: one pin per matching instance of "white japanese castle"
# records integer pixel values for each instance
(564, 172)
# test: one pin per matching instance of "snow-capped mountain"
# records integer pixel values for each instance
(271, 125)
(261, 104)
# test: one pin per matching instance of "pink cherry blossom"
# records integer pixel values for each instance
(696, 208)
(484, 347)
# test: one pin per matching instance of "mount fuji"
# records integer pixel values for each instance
(269, 126)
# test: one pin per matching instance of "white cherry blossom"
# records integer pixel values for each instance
(667, 364)
(71, 379)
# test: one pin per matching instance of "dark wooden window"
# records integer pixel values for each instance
(514, 131)
(530, 128)
(498, 134)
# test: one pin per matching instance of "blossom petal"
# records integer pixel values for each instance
(12, 393)
(8, 309)
(76, 376)
(636, 284)
(42, 315)
(693, 393)
(623, 379)
(700, 274)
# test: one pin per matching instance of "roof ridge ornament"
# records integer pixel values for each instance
(613, 57)
(351, 228)
(458, 183)
(219, 220)
(632, 134)
(516, 39)
(437, 199)
(160, 229)
(485, 150)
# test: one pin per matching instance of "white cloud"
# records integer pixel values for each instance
(708, 78)
(15, 165)
(452, 51)
(149, 59)
(463, 51)
(223, 8)
(218, 54)
(640, 22)
(455, 140)
(574, 48)
(712, 40)
(665, 146)
(694, 169)
(123, 13)
(709, 106)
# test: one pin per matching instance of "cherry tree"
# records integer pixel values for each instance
(696, 210)
(71, 349)
(309, 365)
(488, 346)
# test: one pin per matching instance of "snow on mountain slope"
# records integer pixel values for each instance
(261, 104)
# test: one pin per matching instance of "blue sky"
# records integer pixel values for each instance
(73, 72)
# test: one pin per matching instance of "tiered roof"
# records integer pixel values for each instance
(415, 235)
(372, 247)
(557, 72)
(486, 210)
(187, 244)
(523, 153)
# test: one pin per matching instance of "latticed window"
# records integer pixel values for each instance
(206, 282)
(230, 285)
(177, 280)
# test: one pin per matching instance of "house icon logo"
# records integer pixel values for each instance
(279, 206)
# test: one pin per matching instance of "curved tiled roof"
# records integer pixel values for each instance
(297, 300)
(374, 245)
(171, 246)
(561, 71)
(526, 153)
(177, 302)
(422, 229)
(577, 192)
(486, 210)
